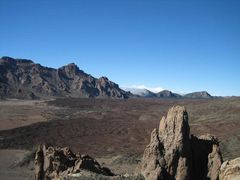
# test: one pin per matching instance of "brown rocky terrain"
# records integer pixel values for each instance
(171, 154)
(115, 132)
(24, 79)
(97, 123)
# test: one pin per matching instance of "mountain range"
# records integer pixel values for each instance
(24, 79)
(168, 94)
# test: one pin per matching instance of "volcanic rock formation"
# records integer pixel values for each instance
(55, 163)
(172, 154)
(23, 79)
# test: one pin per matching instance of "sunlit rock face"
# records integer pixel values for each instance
(173, 154)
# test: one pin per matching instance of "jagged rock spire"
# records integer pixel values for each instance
(172, 154)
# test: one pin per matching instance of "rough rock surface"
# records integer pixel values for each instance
(207, 157)
(230, 170)
(55, 163)
(174, 135)
(172, 154)
(21, 78)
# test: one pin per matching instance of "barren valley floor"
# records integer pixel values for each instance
(116, 132)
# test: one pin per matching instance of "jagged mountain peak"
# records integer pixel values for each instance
(104, 78)
(71, 70)
(22, 78)
(17, 60)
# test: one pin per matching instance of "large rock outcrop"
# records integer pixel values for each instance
(172, 154)
(21, 78)
(57, 163)
(174, 135)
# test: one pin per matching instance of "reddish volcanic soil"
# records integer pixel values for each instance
(102, 127)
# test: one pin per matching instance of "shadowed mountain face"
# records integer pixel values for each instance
(168, 94)
(24, 79)
(199, 95)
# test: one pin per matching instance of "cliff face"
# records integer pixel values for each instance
(24, 79)
(172, 154)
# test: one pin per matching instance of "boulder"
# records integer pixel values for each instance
(230, 170)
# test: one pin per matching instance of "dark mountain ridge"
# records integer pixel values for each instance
(199, 95)
(24, 79)
(168, 94)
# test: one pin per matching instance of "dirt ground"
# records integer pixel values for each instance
(17, 113)
(9, 168)
(114, 131)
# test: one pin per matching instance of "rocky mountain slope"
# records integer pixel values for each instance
(24, 79)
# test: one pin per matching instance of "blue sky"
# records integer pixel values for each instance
(184, 46)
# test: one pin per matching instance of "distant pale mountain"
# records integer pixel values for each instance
(168, 94)
(198, 95)
(141, 92)
(150, 94)
(24, 79)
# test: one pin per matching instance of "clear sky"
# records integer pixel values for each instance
(181, 45)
